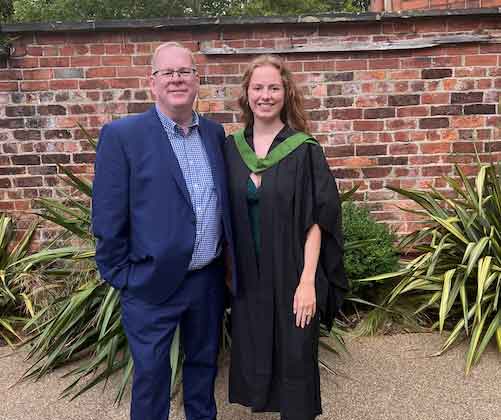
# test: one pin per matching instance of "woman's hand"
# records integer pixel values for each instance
(305, 301)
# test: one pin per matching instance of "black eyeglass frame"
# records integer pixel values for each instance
(170, 73)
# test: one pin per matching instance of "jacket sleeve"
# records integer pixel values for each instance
(110, 208)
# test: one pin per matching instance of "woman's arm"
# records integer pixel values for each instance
(305, 299)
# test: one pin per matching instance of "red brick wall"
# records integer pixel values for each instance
(388, 118)
(419, 5)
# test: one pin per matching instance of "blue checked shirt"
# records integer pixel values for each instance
(194, 163)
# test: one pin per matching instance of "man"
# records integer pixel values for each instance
(160, 216)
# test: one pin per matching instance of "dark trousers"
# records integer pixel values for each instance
(197, 306)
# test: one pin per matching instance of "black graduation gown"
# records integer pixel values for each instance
(274, 364)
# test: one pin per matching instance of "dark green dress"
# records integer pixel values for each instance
(253, 206)
(274, 364)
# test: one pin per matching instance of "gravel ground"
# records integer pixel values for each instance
(383, 378)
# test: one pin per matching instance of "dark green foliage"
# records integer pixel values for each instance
(377, 256)
(70, 10)
(6, 10)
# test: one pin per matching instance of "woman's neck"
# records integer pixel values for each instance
(267, 129)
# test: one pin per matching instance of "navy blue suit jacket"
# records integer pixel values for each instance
(141, 212)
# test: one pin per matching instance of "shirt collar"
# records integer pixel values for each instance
(171, 125)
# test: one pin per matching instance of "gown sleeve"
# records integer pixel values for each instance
(322, 206)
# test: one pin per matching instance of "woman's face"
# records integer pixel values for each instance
(266, 93)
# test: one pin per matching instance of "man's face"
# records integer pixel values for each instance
(175, 91)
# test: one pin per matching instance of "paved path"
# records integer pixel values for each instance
(383, 378)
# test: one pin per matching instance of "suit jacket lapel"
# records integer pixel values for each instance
(171, 159)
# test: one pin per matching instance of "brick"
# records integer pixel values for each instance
(11, 75)
(436, 170)
(54, 62)
(124, 83)
(464, 147)
(384, 63)
(86, 61)
(339, 151)
(94, 84)
(100, 72)
(34, 86)
(57, 134)
(116, 61)
(12, 123)
(334, 90)
(494, 146)
(370, 101)
(403, 149)
(346, 114)
(63, 84)
(433, 123)
(346, 76)
(404, 75)
(24, 63)
(481, 60)
(31, 181)
(370, 150)
(346, 173)
(376, 113)
(5, 183)
(338, 102)
(9, 86)
(436, 73)
(39, 74)
(137, 107)
(84, 157)
(412, 111)
(376, 172)
(70, 73)
(435, 98)
(221, 117)
(83, 109)
(403, 100)
(354, 64)
(401, 124)
(313, 115)
(51, 110)
(27, 135)
(479, 109)
(468, 121)
(364, 125)
(392, 160)
(371, 75)
(416, 62)
(144, 71)
(26, 160)
(55, 158)
(467, 97)
(12, 170)
(19, 111)
(447, 110)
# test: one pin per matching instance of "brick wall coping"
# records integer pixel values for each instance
(200, 23)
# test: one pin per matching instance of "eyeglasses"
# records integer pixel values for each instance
(183, 73)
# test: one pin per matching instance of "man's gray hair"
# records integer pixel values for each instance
(170, 44)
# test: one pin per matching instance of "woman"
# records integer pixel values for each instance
(287, 230)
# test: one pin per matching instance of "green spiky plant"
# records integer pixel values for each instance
(84, 324)
(456, 278)
(16, 305)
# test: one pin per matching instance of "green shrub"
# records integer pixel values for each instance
(376, 256)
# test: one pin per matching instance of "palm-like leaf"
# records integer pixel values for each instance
(15, 301)
(460, 260)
